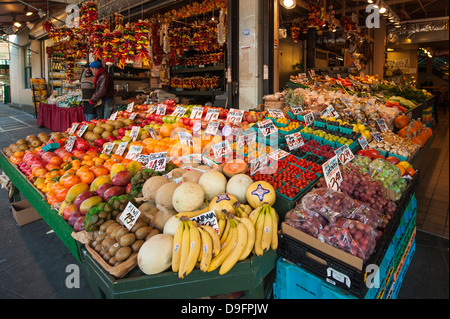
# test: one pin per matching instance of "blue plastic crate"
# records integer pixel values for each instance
(398, 283)
(333, 128)
(50, 147)
(320, 124)
(300, 118)
(384, 153)
(345, 130)
(305, 136)
(401, 158)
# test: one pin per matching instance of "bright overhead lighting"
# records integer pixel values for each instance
(369, 1)
(390, 49)
(17, 24)
(398, 26)
(382, 9)
(27, 11)
(288, 4)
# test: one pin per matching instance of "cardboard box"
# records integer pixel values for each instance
(24, 213)
(313, 242)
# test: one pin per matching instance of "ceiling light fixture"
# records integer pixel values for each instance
(15, 22)
(288, 4)
(369, 1)
(382, 8)
(29, 25)
(27, 11)
(41, 13)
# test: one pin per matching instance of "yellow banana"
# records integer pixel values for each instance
(225, 231)
(259, 229)
(250, 237)
(267, 233)
(229, 244)
(214, 237)
(193, 214)
(274, 244)
(255, 214)
(222, 222)
(176, 253)
(184, 249)
(233, 257)
(194, 248)
(206, 249)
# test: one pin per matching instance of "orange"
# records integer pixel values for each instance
(99, 171)
(402, 169)
(165, 130)
(60, 196)
(87, 177)
(56, 160)
(410, 171)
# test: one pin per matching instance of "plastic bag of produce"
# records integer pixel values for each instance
(307, 222)
(97, 215)
(351, 236)
(366, 215)
(328, 203)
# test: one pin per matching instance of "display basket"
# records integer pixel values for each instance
(119, 271)
(345, 130)
(273, 104)
(333, 128)
(320, 124)
(401, 158)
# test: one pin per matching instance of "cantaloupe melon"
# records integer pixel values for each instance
(152, 185)
(155, 255)
(238, 185)
(188, 197)
(223, 204)
(259, 193)
(234, 167)
(192, 176)
(178, 172)
(213, 183)
(164, 194)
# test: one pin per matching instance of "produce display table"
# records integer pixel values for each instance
(36, 199)
(58, 119)
(247, 275)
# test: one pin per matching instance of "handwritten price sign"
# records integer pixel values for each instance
(377, 136)
(296, 109)
(107, 149)
(197, 113)
(258, 164)
(212, 128)
(235, 116)
(186, 139)
(332, 174)
(248, 139)
(161, 109)
(70, 143)
(221, 148)
(179, 111)
(130, 215)
(382, 125)
(294, 141)
(344, 154)
(134, 152)
(267, 127)
(309, 119)
(130, 107)
(121, 148)
(82, 129)
(276, 114)
(73, 128)
(212, 115)
(157, 161)
(363, 142)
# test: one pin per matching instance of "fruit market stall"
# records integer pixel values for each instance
(172, 195)
(58, 119)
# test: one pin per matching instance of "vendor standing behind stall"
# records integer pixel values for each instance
(87, 90)
(104, 91)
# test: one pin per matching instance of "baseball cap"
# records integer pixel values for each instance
(95, 65)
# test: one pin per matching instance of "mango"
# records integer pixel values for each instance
(113, 191)
(82, 197)
(62, 207)
(118, 167)
(122, 178)
(99, 181)
(102, 188)
(88, 203)
(134, 167)
(76, 190)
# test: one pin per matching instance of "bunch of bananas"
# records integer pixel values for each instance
(265, 221)
(200, 246)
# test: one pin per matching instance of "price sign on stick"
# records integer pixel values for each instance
(248, 139)
(276, 114)
(179, 111)
(152, 109)
(133, 116)
(212, 115)
(73, 128)
(363, 142)
(382, 125)
(134, 133)
(70, 143)
(130, 107)
(309, 119)
(197, 113)
(296, 109)
(267, 127)
(258, 164)
(130, 215)
(209, 218)
(157, 161)
(332, 174)
(82, 129)
(134, 152)
(344, 154)
(212, 128)
(161, 109)
(294, 141)
(221, 148)
(235, 116)
(377, 136)
(113, 116)
(107, 149)
(278, 154)
(121, 148)
(186, 139)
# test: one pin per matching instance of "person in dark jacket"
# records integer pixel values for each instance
(87, 90)
(103, 98)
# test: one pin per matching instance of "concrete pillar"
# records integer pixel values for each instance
(379, 47)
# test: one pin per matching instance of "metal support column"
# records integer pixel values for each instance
(232, 76)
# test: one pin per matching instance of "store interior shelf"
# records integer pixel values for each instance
(220, 67)
(130, 78)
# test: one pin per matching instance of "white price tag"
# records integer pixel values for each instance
(377, 136)
(113, 116)
(157, 161)
(152, 109)
(258, 164)
(344, 154)
(276, 114)
(130, 107)
(134, 133)
(328, 112)
(212, 128)
(278, 154)
(153, 134)
(212, 115)
(134, 152)
(82, 129)
(130, 215)
(133, 116)
(179, 111)
(294, 141)
(363, 142)
(267, 127)
(70, 143)
(161, 109)
(309, 119)
(197, 113)
(332, 174)
(107, 149)
(248, 139)
(121, 148)
(209, 219)
(73, 128)
(296, 109)
(221, 148)
(235, 116)
(186, 139)
(382, 125)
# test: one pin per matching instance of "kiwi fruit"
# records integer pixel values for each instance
(137, 245)
(139, 224)
(142, 232)
(106, 224)
(114, 248)
(127, 239)
(120, 232)
(123, 253)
